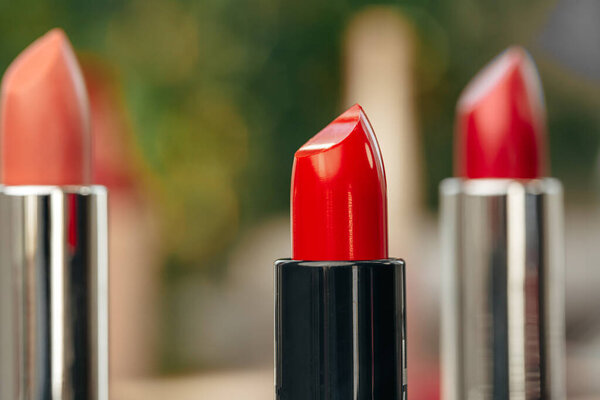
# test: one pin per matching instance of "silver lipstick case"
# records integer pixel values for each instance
(503, 290)
(53, 293)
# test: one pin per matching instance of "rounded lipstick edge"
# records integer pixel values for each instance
(45, 119)
(338, 196)
(500, 129)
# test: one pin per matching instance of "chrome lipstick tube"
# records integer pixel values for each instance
(53, 293)
(503, 298)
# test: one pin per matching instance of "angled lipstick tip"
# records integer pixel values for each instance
(334, 133)
(500, 124)
(513, 60)
(35, 60)
(339, 201)
(44, 122)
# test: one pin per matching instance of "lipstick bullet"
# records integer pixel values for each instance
(340, 302)
(45, 117)
(502, 243)
(53, 233)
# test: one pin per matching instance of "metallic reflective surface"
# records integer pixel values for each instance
(53, 293)
(502, 306)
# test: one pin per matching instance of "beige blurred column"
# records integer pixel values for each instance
(134, 247)
(134, 287)
(380, 48)
(379, 58)
(255, 384)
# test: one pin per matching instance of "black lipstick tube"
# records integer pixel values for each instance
(340, 330)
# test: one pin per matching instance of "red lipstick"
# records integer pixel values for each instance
(53, 232)
(340, 302)
(44, 131)
(500, 122)
(339, 205)
(502, 236)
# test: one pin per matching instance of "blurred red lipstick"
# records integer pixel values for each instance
(501, 223)
(500, 128)
(339, 204)
(44, 131)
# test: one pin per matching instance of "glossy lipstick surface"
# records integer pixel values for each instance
(339, 203)
(500, 128)
(44, 131)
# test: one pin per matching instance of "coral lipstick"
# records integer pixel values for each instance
(502, 237)
(500, 121)
(340, 302)
(339, 206)
(44, 131)
(53, 233)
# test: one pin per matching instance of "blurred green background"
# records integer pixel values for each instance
(222, 92)
(216, 96)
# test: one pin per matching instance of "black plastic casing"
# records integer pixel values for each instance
(340, 330)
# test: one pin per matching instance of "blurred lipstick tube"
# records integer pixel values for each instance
(502, 239)
(53, 258)
(53, 233)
